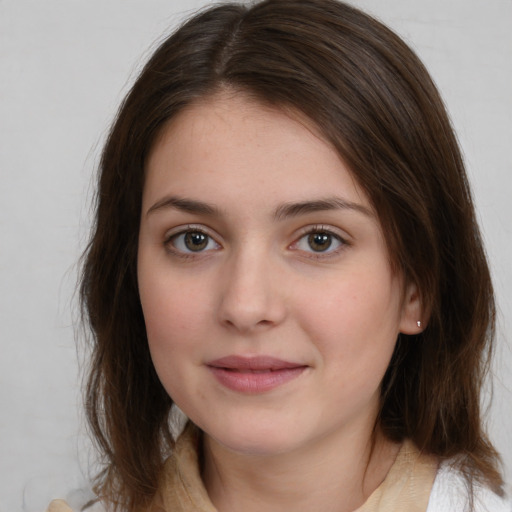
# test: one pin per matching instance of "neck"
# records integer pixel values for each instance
(332, 474)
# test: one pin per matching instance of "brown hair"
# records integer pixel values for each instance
(374, 101)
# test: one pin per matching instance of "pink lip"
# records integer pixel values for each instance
(254, 374)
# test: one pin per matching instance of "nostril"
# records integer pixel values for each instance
(246, 324)
(247, 302)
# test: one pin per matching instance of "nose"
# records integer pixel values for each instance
(251, 298)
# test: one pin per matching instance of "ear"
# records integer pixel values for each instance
(413, 319)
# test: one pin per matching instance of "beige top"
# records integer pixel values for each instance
(406, 487)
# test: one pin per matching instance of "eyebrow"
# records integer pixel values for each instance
(331, 203)
(284, 211)
(185, 205)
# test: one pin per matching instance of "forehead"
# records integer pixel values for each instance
(227, 108)
(233, 142)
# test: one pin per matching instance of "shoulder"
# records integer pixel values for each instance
(62, 506)
(450, 494)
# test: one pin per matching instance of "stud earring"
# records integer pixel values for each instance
(418, 323)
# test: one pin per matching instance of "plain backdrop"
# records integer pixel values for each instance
(64, 67)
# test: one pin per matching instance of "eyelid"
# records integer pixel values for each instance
(324, 228)
(181, 230)
(188, 227)
(321, 228)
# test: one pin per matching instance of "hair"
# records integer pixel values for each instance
(373, 100)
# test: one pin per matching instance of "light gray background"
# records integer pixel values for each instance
(65, 65)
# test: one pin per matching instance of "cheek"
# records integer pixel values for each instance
(355, 323)
(171, 314)
(172, 306)
(174, 335)
(168, 316)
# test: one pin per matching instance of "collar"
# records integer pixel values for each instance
(406, 487)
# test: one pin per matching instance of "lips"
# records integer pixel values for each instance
(254, 374)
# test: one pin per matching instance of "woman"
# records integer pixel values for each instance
(286, 249)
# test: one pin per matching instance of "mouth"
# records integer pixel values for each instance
(254, 374)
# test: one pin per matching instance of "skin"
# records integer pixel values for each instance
(259, 286)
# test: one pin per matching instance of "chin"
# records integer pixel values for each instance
(261, 446)
(250, 438)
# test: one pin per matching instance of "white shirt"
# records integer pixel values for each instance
(450, 494)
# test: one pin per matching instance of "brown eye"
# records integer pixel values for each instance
(195, 241)
(192, 241)
(320, 242)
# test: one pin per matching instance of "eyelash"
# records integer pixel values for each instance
(321, 230)
(305, 232)
(171, 237)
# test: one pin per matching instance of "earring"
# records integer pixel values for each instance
(418, 323)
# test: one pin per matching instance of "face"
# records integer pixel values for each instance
(270, 305)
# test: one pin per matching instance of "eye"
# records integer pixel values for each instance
(192, 241)
(319, 241)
